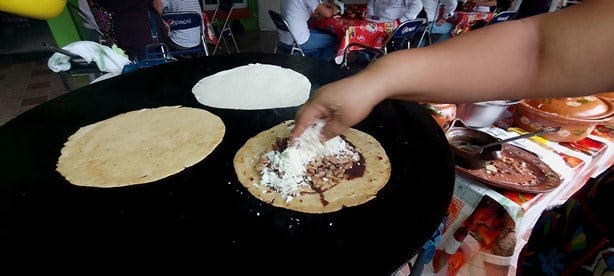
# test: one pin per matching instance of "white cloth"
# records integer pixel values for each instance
(106, 58)
(297, 13)
(391, 10)
(430, 7)
(187, 38)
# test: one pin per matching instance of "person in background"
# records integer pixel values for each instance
(390, 11)
(393, 10)
(483, 5)
(491, 5)
(313, 42)
(130, 24)
(437, 19)
(534, 57)
(183, 39)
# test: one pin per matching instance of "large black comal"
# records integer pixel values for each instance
(202, 221)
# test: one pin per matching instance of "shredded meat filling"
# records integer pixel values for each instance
(325, 172)
(509, 166)
(322, 173)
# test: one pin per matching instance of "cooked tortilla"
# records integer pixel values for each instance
(253, 86)
(344, 194)
(139, 146)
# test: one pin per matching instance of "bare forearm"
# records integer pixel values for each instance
(158, 5)
(560, 54)
(537, 57)
(464, 69)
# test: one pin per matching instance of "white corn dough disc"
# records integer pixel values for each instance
(253, 86)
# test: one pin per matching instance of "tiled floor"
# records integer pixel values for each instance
(26, 81)
(25, 85)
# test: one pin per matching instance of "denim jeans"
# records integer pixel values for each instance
(321, 45)
(443, 32)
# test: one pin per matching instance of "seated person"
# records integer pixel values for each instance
(490, 5)
(493, 6)
(441, 29)
(128, 24)
(393, 10)
(314, 43)
(188, 38)
(483, 6)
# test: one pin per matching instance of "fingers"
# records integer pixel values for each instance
(332, 128)
(299, 128)
(306, 117)
(310, 113)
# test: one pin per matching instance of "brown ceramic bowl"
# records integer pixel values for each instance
(459, 135)
(609, 96)
(588, 108)
(577, 117)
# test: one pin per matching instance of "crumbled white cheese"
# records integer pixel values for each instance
(491, 169)
(288, 168)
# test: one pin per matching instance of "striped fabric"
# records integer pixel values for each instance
(186, 38)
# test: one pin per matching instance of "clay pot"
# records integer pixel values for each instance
(443, 114)
(458, 135)
(609, 96)
(577, 116)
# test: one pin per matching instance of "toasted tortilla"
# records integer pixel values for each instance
(139, 146)
(345, 194)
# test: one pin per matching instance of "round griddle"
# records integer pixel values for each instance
(202, 220)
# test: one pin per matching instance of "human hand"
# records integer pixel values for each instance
(167, 27)
(158, 5)
(335, 9)
(342, 104)
(363, 15)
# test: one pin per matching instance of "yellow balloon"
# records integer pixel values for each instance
(37, 9)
